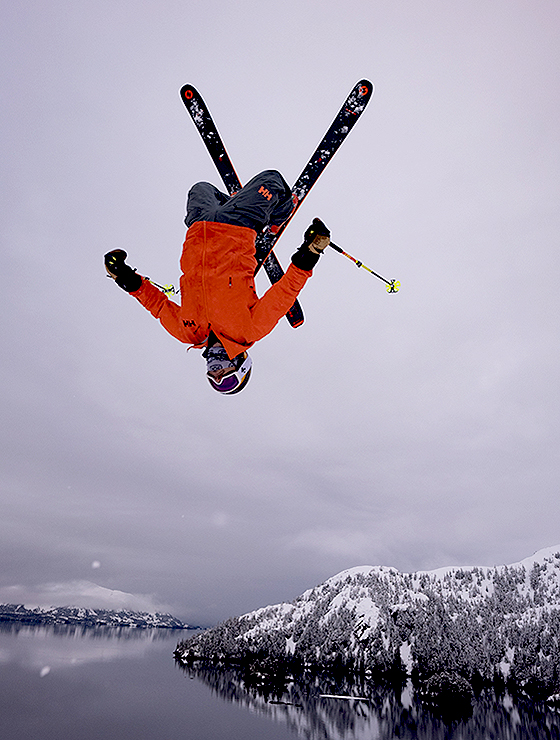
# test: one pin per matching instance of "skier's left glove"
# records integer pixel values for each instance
(124, 276)
(315, 240)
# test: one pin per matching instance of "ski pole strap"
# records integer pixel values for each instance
(167, 289)
(394, 285)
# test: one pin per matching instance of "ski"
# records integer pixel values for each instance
(206, 127)
(210, 136)
(353, 107)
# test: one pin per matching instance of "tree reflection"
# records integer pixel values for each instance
(377, 712)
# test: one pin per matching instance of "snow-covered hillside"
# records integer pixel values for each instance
(472, 620)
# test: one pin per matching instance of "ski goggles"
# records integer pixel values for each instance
(233, 379)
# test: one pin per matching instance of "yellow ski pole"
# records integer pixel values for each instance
(394, 285)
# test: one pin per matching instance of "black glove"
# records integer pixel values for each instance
(124, 276)
(317, 236)
(315, 240)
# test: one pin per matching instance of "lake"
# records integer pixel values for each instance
(59, 683)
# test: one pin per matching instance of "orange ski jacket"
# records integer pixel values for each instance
(218, 290)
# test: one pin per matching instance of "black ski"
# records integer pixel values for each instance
(210, 136)
(207, 129)
(352, 109)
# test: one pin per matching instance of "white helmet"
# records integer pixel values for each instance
(225, 375)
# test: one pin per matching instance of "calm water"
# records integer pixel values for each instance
(94, 684)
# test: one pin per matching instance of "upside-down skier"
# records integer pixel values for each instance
(220, 311)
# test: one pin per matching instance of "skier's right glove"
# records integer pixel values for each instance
(317, 237)
(315, 240)
(124, 276)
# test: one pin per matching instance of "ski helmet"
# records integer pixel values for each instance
(224, 375)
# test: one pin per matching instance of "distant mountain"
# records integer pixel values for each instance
(481, 623)
(72, 615)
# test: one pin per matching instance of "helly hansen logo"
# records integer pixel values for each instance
(265, 193)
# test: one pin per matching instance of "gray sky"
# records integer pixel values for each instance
(414, 430)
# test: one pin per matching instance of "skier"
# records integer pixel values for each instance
(220, 310)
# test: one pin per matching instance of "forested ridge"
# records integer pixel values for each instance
(486, 624)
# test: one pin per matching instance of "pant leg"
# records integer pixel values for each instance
(266, 199)
(203, 203)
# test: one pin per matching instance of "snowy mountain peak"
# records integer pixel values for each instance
(475, 619)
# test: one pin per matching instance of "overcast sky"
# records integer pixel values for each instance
(415, 430)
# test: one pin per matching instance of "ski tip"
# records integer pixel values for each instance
(365, 88)
(187, 92)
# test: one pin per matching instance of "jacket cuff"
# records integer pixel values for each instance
(130, 281)
(304, 258)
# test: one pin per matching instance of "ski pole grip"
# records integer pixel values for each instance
(334, 246)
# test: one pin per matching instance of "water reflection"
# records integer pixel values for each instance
(381, 713)
(109, 687)
(98, 632)
(46, 647)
